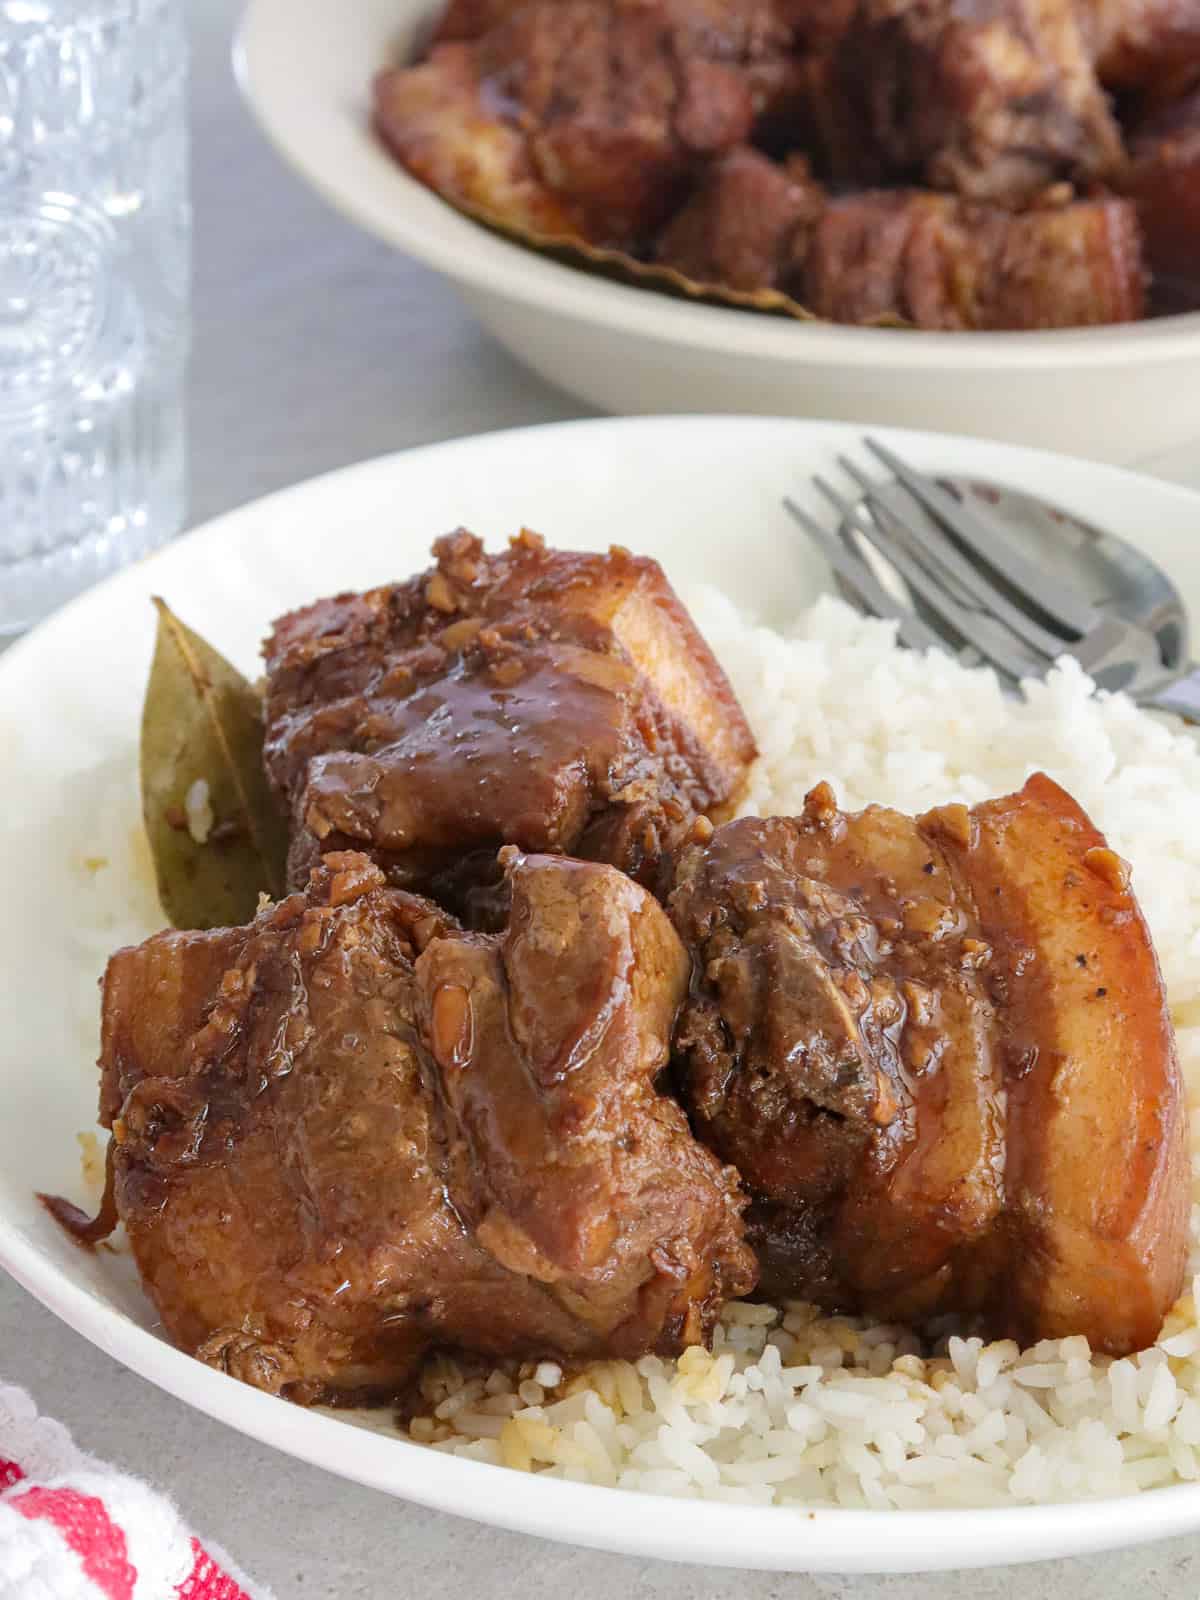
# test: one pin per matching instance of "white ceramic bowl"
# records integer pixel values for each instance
(703, 495)
(1118, 393)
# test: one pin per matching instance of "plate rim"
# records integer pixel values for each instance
(472, 256)
(445, 1482)
(767, 1537)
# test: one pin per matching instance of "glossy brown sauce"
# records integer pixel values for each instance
(552, 701)
(84, 1230)
(351, 1132)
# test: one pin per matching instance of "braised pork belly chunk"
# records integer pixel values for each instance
(746, 225)
(350, 1131)
(993, 100)
(908, 255)
(938, 1052)
(1152, 46)
(581, 117)
(554, 701)
(1164, 182)
(945, 263)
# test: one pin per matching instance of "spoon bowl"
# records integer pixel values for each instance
(1120, 580)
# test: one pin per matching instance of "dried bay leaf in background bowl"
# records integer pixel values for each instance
(215, 832)
(576, 252)
(572, 251)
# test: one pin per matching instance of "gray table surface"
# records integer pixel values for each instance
(316, 347)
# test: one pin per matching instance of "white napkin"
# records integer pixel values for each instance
(72, 1528)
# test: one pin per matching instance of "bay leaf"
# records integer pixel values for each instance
(202, 725)
(572, 251)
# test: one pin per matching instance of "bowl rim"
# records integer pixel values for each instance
(295, 82)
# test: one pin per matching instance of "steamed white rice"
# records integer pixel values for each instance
(794, 1408)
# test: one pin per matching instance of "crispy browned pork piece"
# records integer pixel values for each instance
(927, 258)
(440, 122)
(938, 1052)
(992, 99)
(350, 1132)
(547, 699)
(582, 117)
(1149, 45)
(746, 225)
(942, 263)
(1164, 184)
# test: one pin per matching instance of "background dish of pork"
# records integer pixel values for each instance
(607, 123)
(307, 73)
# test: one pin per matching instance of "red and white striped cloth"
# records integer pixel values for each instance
(72, 1528)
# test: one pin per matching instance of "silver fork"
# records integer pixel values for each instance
(978, 596)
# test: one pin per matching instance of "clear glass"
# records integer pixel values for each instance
(94, 263)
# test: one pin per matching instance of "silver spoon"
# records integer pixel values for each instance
(1118, 579)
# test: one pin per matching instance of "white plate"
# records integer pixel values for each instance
(1119, 393)
(700, 494)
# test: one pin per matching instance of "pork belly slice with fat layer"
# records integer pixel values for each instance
(1097, 1172)
(942, 263)
(548, 699)
(939, 1053)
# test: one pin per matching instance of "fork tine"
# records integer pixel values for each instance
(862, 582)
(846, 509)
(994, 643)
(873, 492)
(1112, 651)
(928, 545)
(1066, 604)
